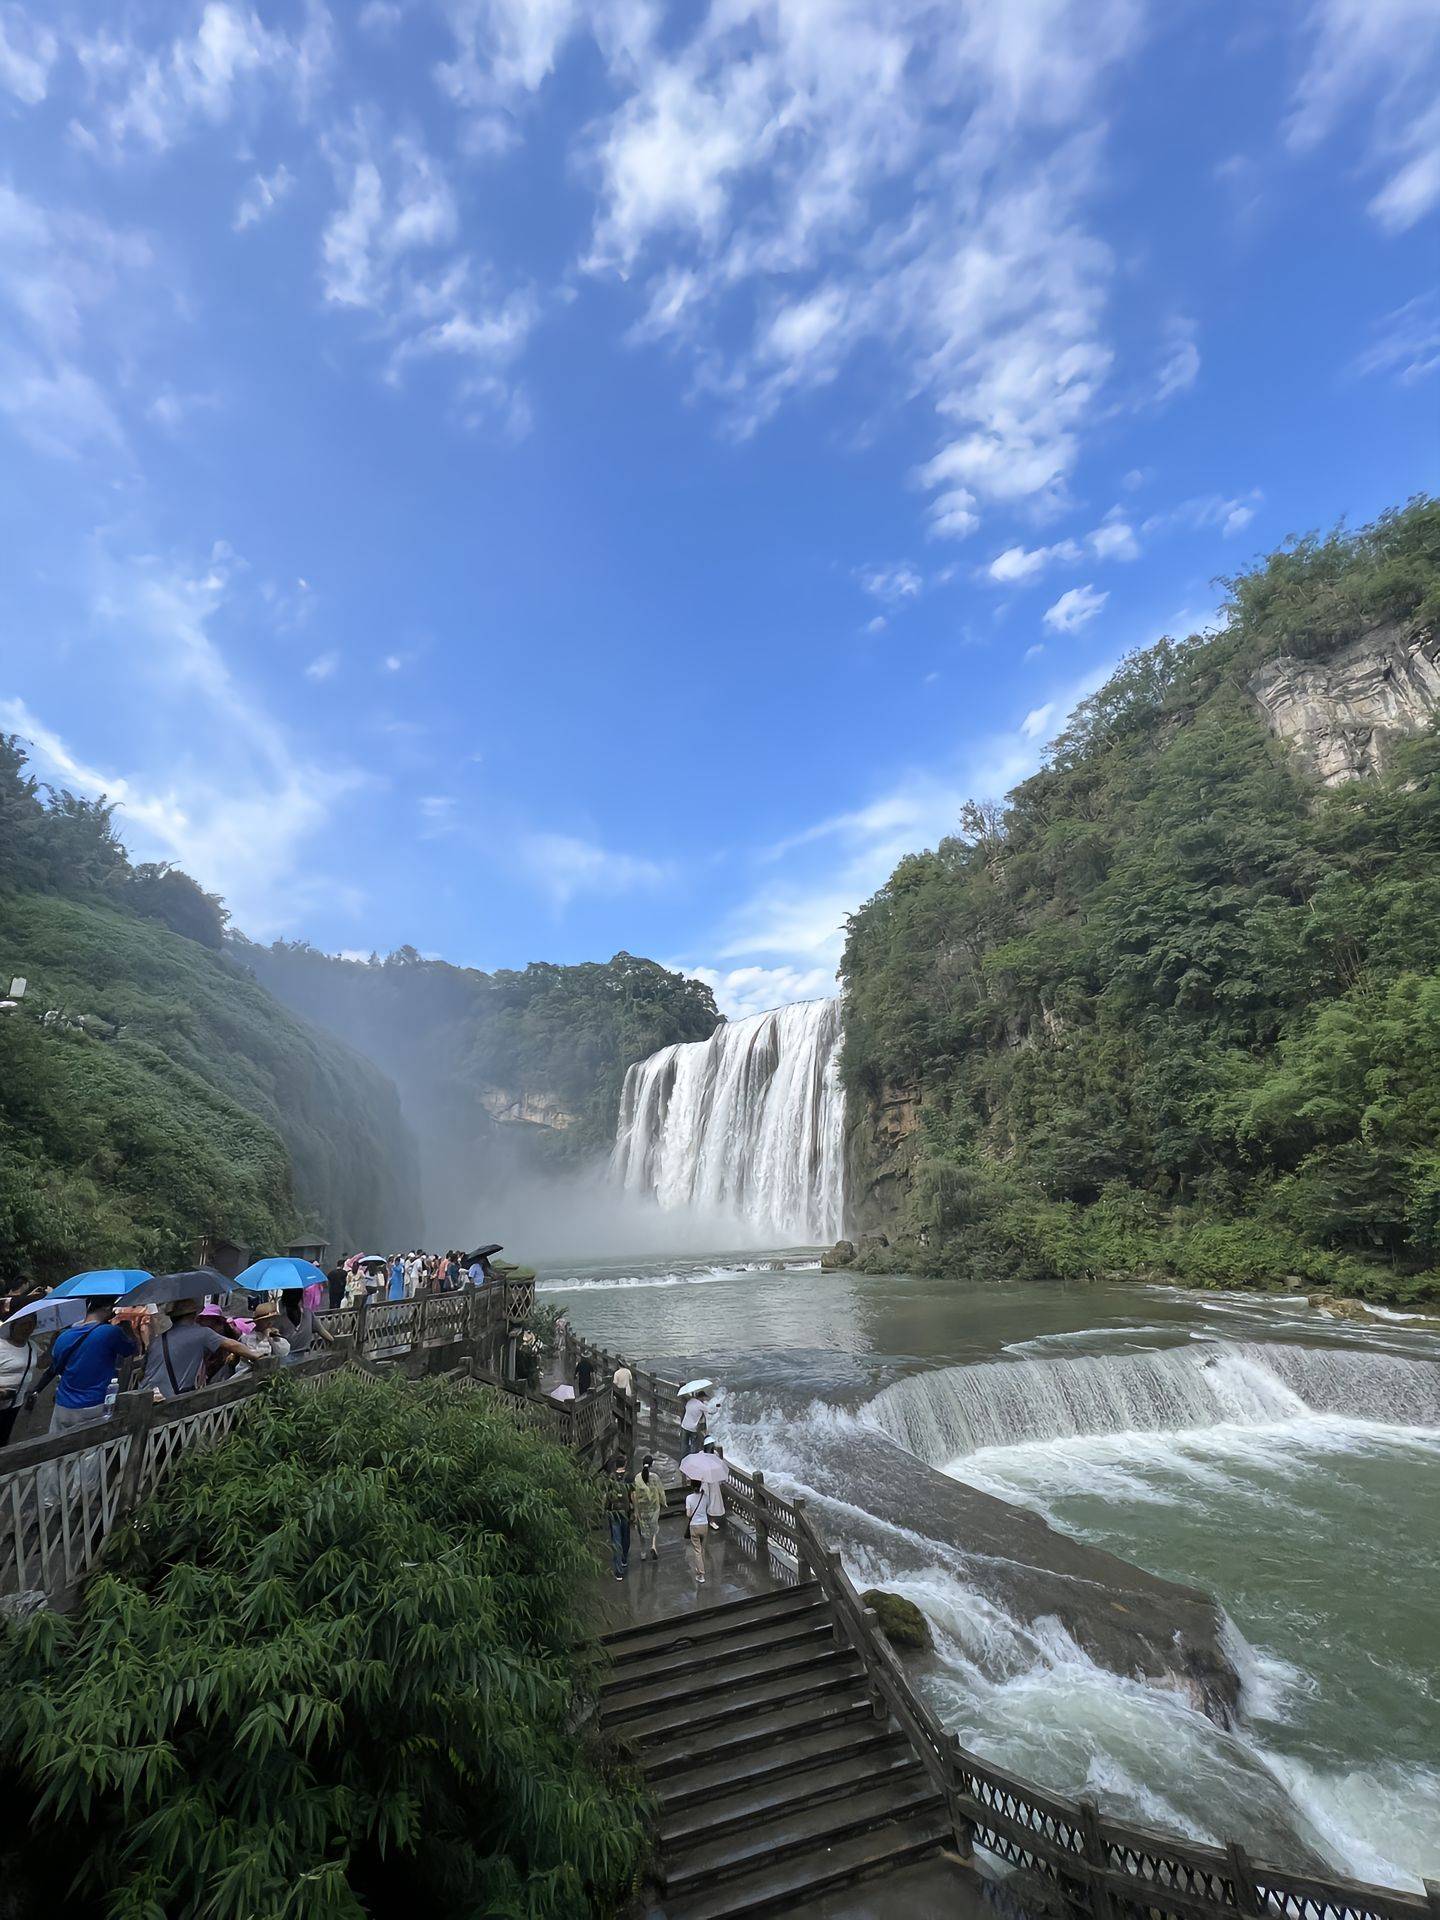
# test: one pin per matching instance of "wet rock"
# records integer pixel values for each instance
(842, 1254)
(899, 1619)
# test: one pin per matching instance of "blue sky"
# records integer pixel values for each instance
(529, 478)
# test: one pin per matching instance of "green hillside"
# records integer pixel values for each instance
(1175, 1006)
(500, 1073)
(170, 1095)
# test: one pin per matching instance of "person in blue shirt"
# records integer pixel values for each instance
(83, 1362)
(396, 1289)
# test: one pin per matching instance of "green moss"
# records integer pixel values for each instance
(899, 1619)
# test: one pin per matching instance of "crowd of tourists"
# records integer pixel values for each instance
(635, 1503)
(178, 1345)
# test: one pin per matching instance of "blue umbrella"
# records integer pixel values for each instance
(103, 1283)
(282, 1273)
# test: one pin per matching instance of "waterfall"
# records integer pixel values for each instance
(748, 1123)
(953, 1411)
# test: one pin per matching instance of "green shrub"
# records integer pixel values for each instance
(329, 1670)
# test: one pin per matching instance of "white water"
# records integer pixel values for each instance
(748, 1123)
(956, 1411)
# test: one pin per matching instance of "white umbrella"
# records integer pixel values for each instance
(562, 1393)
(696, 1386)
(706, 1467)
(50, 1313)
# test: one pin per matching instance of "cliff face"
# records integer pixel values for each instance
(1343, 714)
(880, 1150)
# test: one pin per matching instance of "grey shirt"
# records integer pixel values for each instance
(302, 1334)
(186, 1346)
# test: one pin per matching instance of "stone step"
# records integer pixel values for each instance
(831, 1742)
(670, 1758)
(726, 1616)
(837, 1673)
(716, 1675)
(799, 1629)
(857, 1809)
(752, 1802)
(778, 1886)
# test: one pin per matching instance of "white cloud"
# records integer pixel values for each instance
(27, 52)
(1230, 515)
(564, 865)
(1017, 565)
(1075, 608)
(902, 175)
(1037, 720)
(392, 663)
(1407, 342)
(323, 667)
(64, 278)
(150, 97)
(389, 250)
(380, 18)
(1379, 59)
(262, 196)
(1180, 368)
(877, 625)
(236, 807)
(1114, 538)
(742, 991)
(890, 585)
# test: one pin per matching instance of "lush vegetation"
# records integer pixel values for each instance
(1174, 1007)
(500, 1072)
(169, 1096)
(329, 1671)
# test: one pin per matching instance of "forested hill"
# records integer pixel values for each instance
(150, 1090)
(500, 1073)
(1175, 1005)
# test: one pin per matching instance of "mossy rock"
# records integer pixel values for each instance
(900, 1620)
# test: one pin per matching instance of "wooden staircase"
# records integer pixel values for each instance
(759, 1741)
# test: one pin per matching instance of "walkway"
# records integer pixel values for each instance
(781, 1786)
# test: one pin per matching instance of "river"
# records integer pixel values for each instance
(1287, 1464)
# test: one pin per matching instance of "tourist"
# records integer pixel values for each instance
(619, 1504)
(396, 1288)
(692, 1421)
(83, 1360)
(623, 1382)
(451, 1280)
(267, 1342)
(649, 1504)
(479, 1272)
(299, 1325)
(584, 1377)
(20, 1362)
(174, 1358)
(697, 1527)
(715, 1488)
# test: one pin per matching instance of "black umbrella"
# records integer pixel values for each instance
(193, 1285)
(483, 1253)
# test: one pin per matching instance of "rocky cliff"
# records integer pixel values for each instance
(1343, 714)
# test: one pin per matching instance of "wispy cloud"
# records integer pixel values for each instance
(237, 807)
(262, 196)
(1378, 60)
(564, 865)
(28, 50)
(742, 991)
(323, 667)
(1075, 608)
(1406, 343)
(892, 584)
(1230, 514)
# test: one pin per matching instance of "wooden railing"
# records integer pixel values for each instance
(1103, 1868)
(478, 1315)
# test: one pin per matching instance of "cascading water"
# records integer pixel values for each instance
(954, 1411)
(748, 1123)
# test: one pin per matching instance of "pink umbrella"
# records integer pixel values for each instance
(562, 1393)
(708, 1468)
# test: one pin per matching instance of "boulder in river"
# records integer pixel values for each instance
(842, 1254)
(899, 1619)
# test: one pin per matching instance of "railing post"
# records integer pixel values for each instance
(1242, 1878)
(961, 1825)
(1097, 1859)
(762, 1521)
(362, 1322)
(654, 1413)
(137, 1412)
(804, 1566)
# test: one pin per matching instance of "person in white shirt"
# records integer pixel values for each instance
(624, 1381)
(19, 1365)
(697, 1527)
(692, 1421)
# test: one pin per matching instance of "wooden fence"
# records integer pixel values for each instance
(1090, 1864)
(60, 1497)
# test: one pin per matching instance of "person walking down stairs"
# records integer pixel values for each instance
(619, 1506)
(697, 1527)
(649, 1502)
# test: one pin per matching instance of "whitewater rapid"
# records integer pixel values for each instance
(749, 1123)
